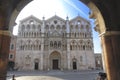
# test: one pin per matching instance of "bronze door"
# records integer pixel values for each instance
(74, 65)
(36, 65)
(55, 64)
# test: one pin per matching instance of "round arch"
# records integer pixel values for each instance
(92, 5)
(95, 13)
(17, 9)
(55, 60)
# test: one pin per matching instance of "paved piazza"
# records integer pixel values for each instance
(53, 75)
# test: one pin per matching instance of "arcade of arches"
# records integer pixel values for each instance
(105, 12)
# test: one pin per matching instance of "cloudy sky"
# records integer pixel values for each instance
(62, 8)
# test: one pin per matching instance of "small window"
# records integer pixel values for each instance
(78, 22)
(39, 27)
(58, 27)
(10, 56)
(82, 26)
(51, 43)
(63, 27)
(55, 21)
(22, 27)
(12, 46)
(76, 27)
(83, 47)
(46, 27)
(31, 22)
(28, 27)
(71, 26)
(52, 27)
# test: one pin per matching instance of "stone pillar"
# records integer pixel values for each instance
(68, 54)
(111, 49)
(67, 26)
(42, 44)
(4, 51)
(42, 52)
(4, 48)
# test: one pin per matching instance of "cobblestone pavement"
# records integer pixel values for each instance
(53, 75)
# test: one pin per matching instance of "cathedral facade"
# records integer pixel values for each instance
(54, 44)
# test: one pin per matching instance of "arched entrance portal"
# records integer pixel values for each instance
(55, 60)
(36, 64)
(74, 63)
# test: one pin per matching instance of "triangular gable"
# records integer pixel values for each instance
(79, 18)
(55, 17)
(29, 18)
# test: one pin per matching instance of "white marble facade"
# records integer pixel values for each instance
(55, 44)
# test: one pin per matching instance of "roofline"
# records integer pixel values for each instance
(29, 17)
(55, 16)
(81, 18)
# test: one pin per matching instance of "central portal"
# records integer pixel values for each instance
(55, 64)
(55, 60)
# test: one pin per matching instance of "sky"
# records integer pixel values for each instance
(61, 8)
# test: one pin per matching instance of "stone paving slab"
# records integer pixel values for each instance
(38, 78)
(54, 75)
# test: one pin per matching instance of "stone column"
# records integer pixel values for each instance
(111, 52)
(68, 45)
(42, 43)
(68, 54)
(42, 52)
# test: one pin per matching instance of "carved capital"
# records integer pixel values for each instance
(92, 15)
(109, 33)
(5, 32)
(97, 29)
